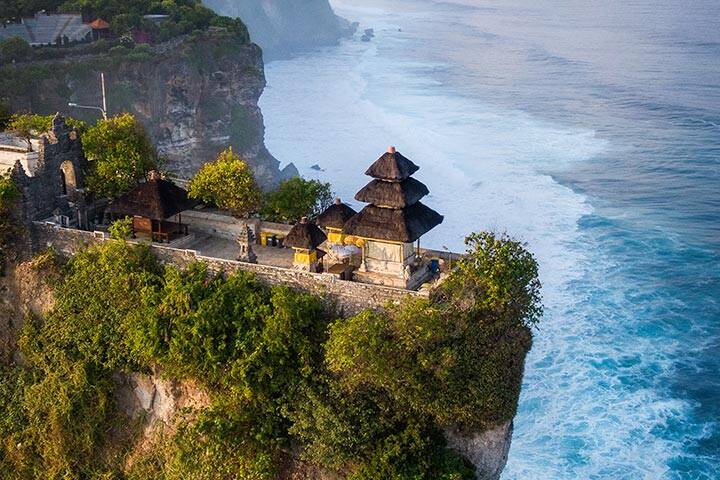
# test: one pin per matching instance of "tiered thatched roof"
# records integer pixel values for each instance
(305, 234)
(156, 199)
(392, 194)
(399, 225)
(395, 212)
(335, 215)
(392, 166)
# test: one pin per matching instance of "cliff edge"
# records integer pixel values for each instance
(196, 95)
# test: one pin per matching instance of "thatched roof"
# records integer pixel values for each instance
(400, 225)
(305, 234)
(392, 166)
(393, 194)
(335, 215)
(157, 199)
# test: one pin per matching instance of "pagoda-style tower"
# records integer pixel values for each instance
(387, 228)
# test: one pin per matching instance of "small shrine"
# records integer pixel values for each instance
(340, 257)
(386, 229)
(245, 240)
(151, 205)
(304, 238)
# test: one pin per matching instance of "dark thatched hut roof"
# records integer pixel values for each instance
(305, 234)
(156, 199)
(393, 194)
(399, 225)
(392, 166)
(335, 215)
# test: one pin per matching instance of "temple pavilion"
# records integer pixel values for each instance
(155, 207)
(305, 237)
(386, 229)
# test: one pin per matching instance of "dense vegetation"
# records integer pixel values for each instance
(124, 16)
(366, 396)
(296, 198)
(9, 226)
(227, 183)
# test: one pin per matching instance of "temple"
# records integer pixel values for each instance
(386, 229)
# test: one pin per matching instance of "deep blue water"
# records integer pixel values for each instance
(591, 130)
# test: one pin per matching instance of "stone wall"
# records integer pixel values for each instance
(347, 297)
(219, 224)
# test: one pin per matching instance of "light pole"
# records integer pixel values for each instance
(102, 109)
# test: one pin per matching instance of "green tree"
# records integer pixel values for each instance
(459, 358)
(28, 125)
(228, 183)
(120, 153)
(15, 49)
(296, 198)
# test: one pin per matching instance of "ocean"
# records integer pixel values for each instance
(589, 130)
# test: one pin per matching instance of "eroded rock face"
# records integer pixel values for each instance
(196, 95)
(157, 400)
(487, 450)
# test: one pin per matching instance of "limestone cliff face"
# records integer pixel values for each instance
(283, 27)
(196, 95)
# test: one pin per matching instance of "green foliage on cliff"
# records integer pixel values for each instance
(296, 198)
(10, 229)
(226, 183)
(120, 153)
(459, 358)
(184, 16)
(365, 396)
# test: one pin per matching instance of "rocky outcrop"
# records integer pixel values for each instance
(487, 450)
(283, 27)
(196, 95)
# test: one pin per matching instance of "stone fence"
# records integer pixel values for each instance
(347, 297)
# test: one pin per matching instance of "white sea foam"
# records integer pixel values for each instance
(341, 107)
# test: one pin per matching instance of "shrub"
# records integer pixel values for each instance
(10, 228)
(30, 126)
(15, 49)
(297, 198)
(120, 153)
(227, 183)
(460, 358)
(5, 115)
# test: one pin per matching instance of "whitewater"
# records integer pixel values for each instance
(622, 381)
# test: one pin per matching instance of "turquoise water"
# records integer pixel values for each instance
(591, 130)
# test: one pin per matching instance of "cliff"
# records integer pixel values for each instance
(196, 95)
(283, 27)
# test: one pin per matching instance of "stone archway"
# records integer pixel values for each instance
(67, 177)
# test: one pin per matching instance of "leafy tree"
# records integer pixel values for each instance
(228, 183)
(30, 126)
(120, 153)
(500, 276)
(15, 49)
(296, 198)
